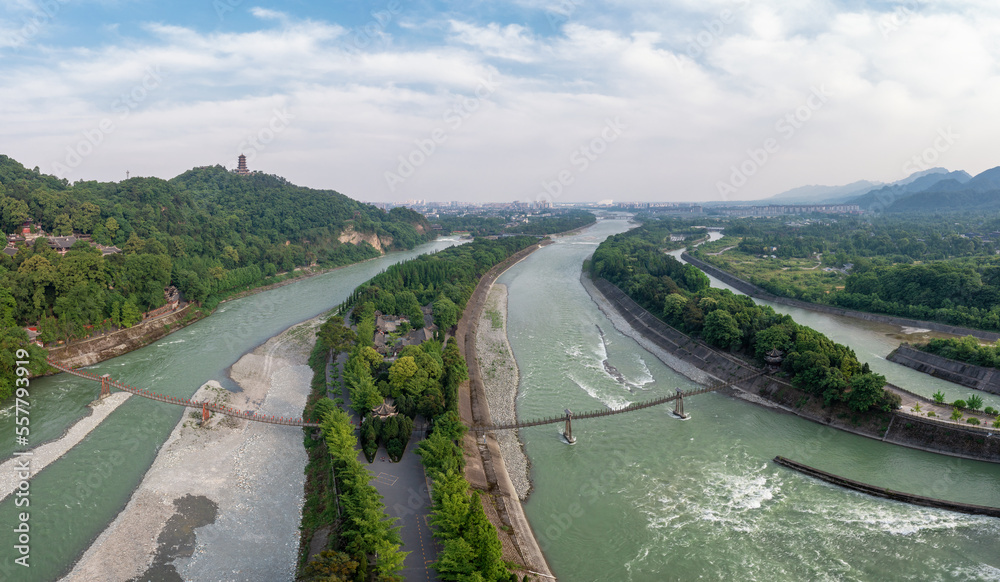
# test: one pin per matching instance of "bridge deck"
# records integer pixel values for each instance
(612, 411)
(218, 408)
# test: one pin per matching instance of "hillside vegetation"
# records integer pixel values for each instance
(681, 296)
(910, 266)
(208, 232)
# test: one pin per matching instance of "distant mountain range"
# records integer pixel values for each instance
(930, 190)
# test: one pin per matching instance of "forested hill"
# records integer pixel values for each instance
(940, 192)
(207, 231)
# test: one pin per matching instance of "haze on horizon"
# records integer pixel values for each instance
(636, 100)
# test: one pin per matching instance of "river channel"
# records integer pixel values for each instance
(74, 498)
(645, 497)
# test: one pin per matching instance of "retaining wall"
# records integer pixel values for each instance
(888, 493)
(755, 291)
(902, 429)
(969, 375)
(97, 349)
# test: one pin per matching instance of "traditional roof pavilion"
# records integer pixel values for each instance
(384, 410)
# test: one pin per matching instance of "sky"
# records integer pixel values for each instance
(530, 100)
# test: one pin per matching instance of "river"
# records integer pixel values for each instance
(645, 497)
(76, 497)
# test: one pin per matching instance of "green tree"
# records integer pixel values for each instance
(86, 216)
(939, 397)
(134, 244)
(13, 213)
(866, 391)
(111, 225)
(439, 454)
(63, 225)
(401, 371)
(450, 497)
(673, 307)
(13, 339)
(330, 566)
(445, 313)
(371, 357)
(722, 330)
(974, 401)
(339, 434)
(775, 337)
(130, 314)
(482, 536)
(456, 561)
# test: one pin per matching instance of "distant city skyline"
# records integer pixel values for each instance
(530, 100)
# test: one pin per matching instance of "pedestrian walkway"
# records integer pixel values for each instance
(403, 487)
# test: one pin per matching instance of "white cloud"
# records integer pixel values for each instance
(689, 115)
(512, 42)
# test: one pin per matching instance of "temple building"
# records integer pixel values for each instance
(242, 169)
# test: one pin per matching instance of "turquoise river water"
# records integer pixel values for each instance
(639, 497)
(645, 497)
(76, 497)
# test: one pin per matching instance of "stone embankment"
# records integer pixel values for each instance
(486, 468)
(969, 375)
(901, 428)
(97, 349)
(501, 379)
(755, 291)
(888, 493)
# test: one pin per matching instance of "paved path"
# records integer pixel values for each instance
(942, 411)
(403, 489)
(404, 492)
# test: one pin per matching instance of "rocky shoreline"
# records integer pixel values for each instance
(690, 371)
(501, 379)
(232, 488)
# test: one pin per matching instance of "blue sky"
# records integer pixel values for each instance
(562, 100)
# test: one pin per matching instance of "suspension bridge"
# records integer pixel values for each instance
(568, 417)
(206, 407)
(209, 407)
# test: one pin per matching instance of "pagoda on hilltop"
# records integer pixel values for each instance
(242, 169)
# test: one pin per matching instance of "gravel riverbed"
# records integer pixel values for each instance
(221, 502)
(501, 379)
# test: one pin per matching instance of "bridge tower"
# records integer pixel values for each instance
(568, 433)
(105, 386)
(679, 406)
(204, 413)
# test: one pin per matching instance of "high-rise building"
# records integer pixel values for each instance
(242, 168)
